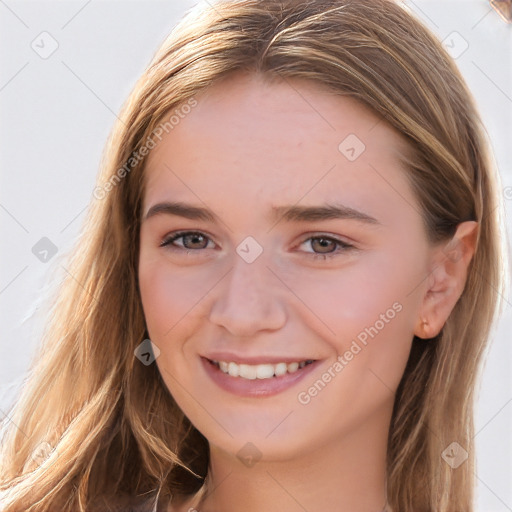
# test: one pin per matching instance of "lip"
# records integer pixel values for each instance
(257, 387)
(230, 357)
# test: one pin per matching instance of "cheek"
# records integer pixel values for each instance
(155, 296)
(168, 293)
(355, 296)
(367, 314)
(169, 301)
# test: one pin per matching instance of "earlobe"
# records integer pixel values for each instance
(447, 278)
(422, 329)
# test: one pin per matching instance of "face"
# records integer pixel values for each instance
(311, 250)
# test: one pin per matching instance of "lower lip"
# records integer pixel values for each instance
(256, 387)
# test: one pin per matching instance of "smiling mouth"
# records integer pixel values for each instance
(259, 371)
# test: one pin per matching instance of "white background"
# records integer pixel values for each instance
(56, 114)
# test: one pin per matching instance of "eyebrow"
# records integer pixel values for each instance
(287, 213)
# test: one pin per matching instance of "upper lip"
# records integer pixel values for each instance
(230, 357)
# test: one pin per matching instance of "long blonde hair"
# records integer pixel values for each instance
(107, 424)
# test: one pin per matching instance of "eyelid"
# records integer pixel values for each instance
(329, 236)
(175, 235)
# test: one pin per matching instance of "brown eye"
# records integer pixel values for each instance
(326, 247)
(191, 240)
(323, 244)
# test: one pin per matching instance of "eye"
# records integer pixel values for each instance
(194, 241)
(191, 241)
(324, 243)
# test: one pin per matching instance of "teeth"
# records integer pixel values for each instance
(280, 369)
(233, 369)
(263, 371)
(293, 367)
(260, 371)
(248, 371)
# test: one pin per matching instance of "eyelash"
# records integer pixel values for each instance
(342, 246)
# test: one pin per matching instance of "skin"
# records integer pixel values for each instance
(248, 145)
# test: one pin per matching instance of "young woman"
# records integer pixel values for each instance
(287, 279)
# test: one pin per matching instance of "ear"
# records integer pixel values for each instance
(447, 278)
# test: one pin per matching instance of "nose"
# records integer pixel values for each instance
(249, 299)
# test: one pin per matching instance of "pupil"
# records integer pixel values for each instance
(324, 241)
(194, 238)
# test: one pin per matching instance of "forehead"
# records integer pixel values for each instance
(248, 140)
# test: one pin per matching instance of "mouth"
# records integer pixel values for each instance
(260, 379)
(259, 371)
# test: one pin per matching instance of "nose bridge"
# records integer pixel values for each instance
(248, 298)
